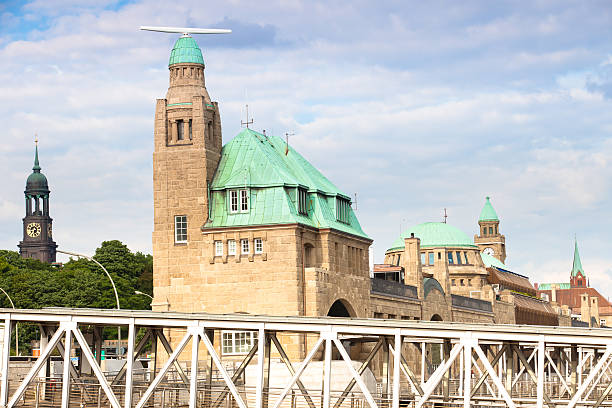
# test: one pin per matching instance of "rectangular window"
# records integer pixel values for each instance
(452, 282)
(231, 247)
(244, 245)
(422, 258)
(237, 342)
(466, 259)
(233, 201)
(258, 246)
(458, 258)
(399, 256)
(302, 201)
(490, 230)
(218, 248)
(244, 200)
(180, 228)
(450, 258)
(190, 129)
(343, 210)
(179, 128)
(431, 258)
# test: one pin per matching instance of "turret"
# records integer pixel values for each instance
(489, 239)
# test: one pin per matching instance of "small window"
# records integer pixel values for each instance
(258, 246)
(431, 258)
(244, 245)
(179, 129)
(239, 201)
(450, 258)
(190, 129)
(469, 282)
(452, 282)
(466, 258)
(439, 255)
(244, 200)
(180, 229)
(462, 282)
(302, 201)
(343, 210)
(458, 258)
(496, 229)
(237, 342)
(234, 201)
(218, 248)
(231, 247)
(399, 256)
(422, 258)
(490, 230)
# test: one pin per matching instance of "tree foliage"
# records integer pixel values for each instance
(79, 283)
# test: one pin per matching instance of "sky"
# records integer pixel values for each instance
(413, 106)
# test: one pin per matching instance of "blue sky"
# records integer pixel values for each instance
(415, 106)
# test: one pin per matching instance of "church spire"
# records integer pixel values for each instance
(36, 167)
(577, 266)
(488, 212)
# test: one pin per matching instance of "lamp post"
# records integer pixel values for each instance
(89, 258)
(137, 292)
(16, 328)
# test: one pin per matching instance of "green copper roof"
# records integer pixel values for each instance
(577, 266)
(186, 50)
(488, 213)
(259, 164)
(489, 260)
(37, 182)
(549, 286)
(435, 234)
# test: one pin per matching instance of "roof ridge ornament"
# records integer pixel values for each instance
(36, 167)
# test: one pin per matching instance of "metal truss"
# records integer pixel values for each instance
(418, 364)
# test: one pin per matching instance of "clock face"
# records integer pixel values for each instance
(489, 251)
(33, 229)
(49, 231)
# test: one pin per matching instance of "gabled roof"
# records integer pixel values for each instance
(272, 171)
(577, 265)
(488, 212)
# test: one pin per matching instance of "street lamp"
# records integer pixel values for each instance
(114, 289)
(137, 292)
(16, 328)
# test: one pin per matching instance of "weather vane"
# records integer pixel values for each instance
(247, 122)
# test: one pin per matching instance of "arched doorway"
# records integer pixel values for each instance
(436, 318)
(340, 308)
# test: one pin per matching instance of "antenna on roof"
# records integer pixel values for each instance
(287, 134)
(445, 216)
(186, 30)
(247, 122)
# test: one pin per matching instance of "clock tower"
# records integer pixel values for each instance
(490, 240)
(37, 225)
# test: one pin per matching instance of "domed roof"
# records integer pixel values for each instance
(435, 234)
(186, 51)
(488, 212)
(37, 182)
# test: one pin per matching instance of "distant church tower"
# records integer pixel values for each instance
(187, 151)
(578, 278)
(490, 241)
(37, 230)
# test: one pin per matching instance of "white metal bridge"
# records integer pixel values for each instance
(413, 363)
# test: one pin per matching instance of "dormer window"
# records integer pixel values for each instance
(302, 201)
(342, 210)
(239, 201)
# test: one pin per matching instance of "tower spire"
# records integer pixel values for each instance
(577, 266)
(36, 167)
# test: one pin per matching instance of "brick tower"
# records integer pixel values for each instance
(490, 240)
(187, 150)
